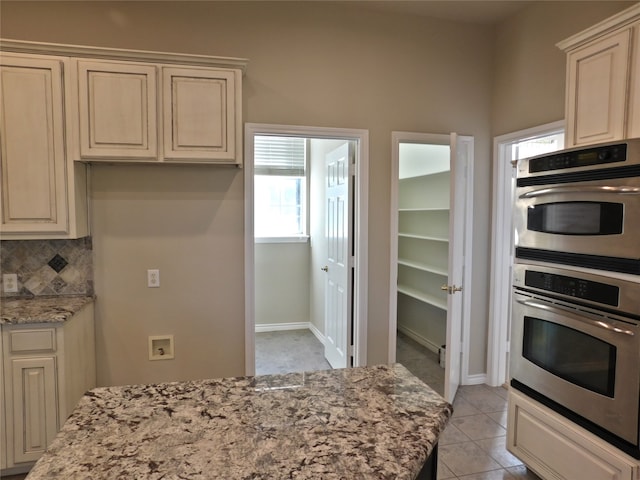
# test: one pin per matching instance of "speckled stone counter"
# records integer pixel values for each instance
(15, 311)
(363, 423)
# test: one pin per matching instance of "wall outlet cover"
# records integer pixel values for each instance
(153, 278)
(10, 282)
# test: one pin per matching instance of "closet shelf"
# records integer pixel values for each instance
(423, 297)
(424, 209)
(423, 267)
(423, 237)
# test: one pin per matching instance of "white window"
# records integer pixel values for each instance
(280, 187)
(531, 147)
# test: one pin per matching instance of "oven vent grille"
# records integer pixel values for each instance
(586, 176)
(621, 265)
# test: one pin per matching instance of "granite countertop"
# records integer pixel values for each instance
(45, 309)
(376, 422)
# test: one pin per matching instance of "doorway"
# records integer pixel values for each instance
(431, 209)
(508, 149)
(312, 240)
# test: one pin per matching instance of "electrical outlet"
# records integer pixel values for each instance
(153, 278)
(10, 282)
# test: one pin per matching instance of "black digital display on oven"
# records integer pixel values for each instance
(573, 287)
(579, 158)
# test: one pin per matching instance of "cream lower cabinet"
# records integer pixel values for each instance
(43, 195)
(46, 368)
(555, 448)
(603, 81)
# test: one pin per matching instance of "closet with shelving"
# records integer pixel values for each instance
(423, 246)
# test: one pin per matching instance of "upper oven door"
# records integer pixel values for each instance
(584, 362)
(592, 218)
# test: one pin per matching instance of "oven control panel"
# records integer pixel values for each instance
(573, 287)
(580, 158)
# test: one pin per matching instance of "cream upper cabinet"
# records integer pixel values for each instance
(138, 112)
(65, 103)
(603, 81)
(43, 195)
(117, 108)
(199, 114)
(633, 112)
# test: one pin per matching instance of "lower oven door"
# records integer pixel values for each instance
(586, 363)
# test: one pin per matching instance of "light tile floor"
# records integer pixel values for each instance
(472, 446)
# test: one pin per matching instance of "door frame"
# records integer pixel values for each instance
(445, 139)
(502, 249)
(360, 229)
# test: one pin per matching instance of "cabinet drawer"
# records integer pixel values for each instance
(555, 448)
(40, 340)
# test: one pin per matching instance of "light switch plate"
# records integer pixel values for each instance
(10, 282)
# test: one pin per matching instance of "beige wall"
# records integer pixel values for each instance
(282, 282)
(311, 63)
(529, 81)
(180, 220)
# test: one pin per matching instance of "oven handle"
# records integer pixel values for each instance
(595, 322)
(622, 190)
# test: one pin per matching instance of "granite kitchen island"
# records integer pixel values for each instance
(376, 422)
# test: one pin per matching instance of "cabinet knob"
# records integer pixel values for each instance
(325, 268)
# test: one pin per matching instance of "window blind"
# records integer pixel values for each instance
(279, 155)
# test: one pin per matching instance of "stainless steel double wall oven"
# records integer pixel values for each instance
(575, 339)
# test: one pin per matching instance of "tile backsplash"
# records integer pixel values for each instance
(48, 267)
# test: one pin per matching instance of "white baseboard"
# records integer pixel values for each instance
(478, 379)
(425, 342)
(317, 333)
(277, 327)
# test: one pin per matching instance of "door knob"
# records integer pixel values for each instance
(451, 289)
(325, 269)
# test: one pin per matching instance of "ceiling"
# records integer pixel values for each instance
(470, 11)
(485, 12)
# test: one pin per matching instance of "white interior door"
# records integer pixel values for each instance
(338, 265)
(461, 155)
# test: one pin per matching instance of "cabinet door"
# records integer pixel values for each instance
(35, 418)
(117, 103)
(596, 90)
(33, 169)
(633, 114)
(553, 447)
(200, 114)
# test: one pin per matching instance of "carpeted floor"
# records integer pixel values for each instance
(289, 351)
